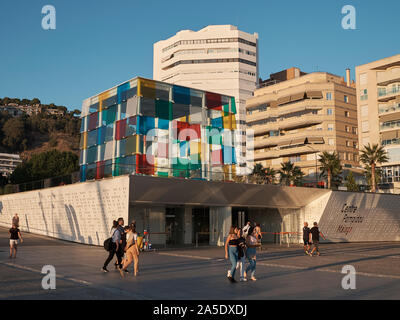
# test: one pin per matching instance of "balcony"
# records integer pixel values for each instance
(300, 122)
(390, 142)
(389, 113)
(388, 126)
(270, 154)
(386, 95)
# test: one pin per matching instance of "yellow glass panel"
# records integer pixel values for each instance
(146, 88)
(195, 147)
(102, 97)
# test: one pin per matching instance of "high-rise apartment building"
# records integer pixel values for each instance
(378, 99)
(218, 58)
(296, 116)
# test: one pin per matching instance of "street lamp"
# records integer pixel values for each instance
(316, 170)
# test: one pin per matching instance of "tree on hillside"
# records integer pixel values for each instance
(45, 165)
(372, 155)
(15, 136)
(35, 101)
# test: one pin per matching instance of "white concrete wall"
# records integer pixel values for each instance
(360, 216)
(81, 212)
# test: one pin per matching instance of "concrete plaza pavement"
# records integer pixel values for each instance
(198, 273)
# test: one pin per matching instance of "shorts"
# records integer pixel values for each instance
(306, 242)
(316, 244)
(13, 242)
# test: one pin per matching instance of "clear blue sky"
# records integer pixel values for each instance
(100, 43)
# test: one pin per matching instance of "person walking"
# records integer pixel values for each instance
(246, 229)
(15, 220)
(258, 234)
(306, 238)
(231, 252)
(251, 244)
(122, 243)
(15, 235)
(114, 245)
(241, 243)
(315, 239)
(131, 252)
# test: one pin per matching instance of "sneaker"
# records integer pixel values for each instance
(253, 279)
(104, 269)
(126, 271)
(229, 274)
(231, 279)
(243, 279)
(310, 254)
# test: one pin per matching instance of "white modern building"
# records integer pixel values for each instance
(8, 163)
(218, 58)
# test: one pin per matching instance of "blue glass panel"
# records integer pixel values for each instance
(163, 124)
(101, 135)
(121, 92)
(181, 95)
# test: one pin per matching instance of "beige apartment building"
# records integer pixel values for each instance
(296, 116)
(378, 99)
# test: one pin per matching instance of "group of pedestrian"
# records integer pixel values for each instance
(311, 238)
(15, 236)
(240, 245)
(124, 245)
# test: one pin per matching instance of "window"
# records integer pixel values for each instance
(364, 111)
(346, 99)
(330, 126)
(295, 159)
(331, 142)
(328, 96)
(354, 130)
(330, 112)
(347, 114)
(347, 128)
(365, 141)
(363, 79)
(348, 144)
(365, 126)
(355, 145)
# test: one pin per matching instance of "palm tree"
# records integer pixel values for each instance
(368, 175)
(270, 174)
(371, 156)
(258, 174)
(330, 167)
(290, 174)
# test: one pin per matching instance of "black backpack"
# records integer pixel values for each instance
(108, 243)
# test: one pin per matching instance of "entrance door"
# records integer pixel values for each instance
(174, 225)
(201, 225)
(239, 217)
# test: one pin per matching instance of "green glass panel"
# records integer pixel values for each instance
(164, 109)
